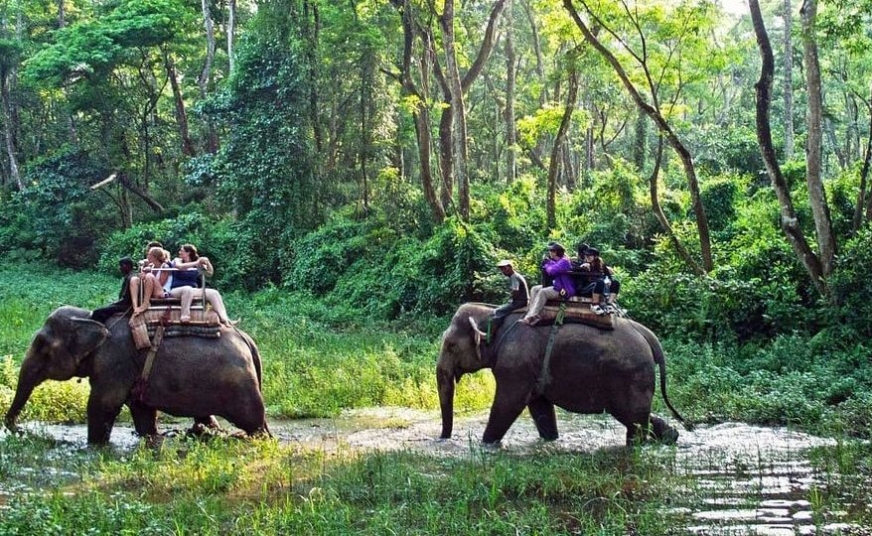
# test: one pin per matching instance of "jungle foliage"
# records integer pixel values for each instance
(378, 158)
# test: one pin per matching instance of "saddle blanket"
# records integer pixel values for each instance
(204, 323)
(575, 313)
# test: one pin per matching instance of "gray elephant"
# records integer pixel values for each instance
(591, 371)
(190, 376)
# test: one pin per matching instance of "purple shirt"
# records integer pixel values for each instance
(559, 269)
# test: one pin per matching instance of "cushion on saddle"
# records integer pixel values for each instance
(204, 323)
(577, 312)
(199, 316)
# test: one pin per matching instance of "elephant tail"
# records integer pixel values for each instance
(258, 369)
(255, 357)
(660, 359)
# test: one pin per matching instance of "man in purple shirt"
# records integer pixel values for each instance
(557, 266)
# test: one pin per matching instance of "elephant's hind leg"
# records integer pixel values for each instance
(248, 414)
(542, 412)
(663, 432)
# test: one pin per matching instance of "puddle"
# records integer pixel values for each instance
(746, 479)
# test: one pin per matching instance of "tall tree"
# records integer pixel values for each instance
(814, 142)
(686, 25)
(789, 219)
(10, 47)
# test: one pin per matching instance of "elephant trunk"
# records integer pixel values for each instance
(28, 379)
(445, 382)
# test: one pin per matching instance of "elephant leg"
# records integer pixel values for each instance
(101, 419)
(663, 432)
(509, 402)
(204, 425)
(208, 421)
(247, 413)
(542, 412)
(144, 419)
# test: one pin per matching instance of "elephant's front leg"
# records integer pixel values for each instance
(509, 402)
(144, 419)
(101, 419)
(542, 412)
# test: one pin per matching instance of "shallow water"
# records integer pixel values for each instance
(746, 479)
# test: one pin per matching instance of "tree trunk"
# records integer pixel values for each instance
(537, 49)
(511, 142)
(816, 195)
(181, 114)
(788, 81)
(9, 102)
(641, 141)
(864, 197)
(313, 35)
(7, 83)
(420, 112)
(789, 220)
(458, 115)
(206, 73)
(554, 164)
(231, 33)
(661, 216)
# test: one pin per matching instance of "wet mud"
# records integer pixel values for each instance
(745, 479)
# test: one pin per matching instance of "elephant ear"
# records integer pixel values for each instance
(86, 336)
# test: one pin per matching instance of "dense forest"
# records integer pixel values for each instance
(356, 170)
(389, 152)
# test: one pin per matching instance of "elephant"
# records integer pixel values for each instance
(190, 377)
(591, 370)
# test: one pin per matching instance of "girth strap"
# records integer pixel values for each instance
(545, 376)
(142, 383)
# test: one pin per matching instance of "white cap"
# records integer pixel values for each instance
(505, 262)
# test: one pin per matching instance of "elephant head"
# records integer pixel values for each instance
(58, 351)
(459, 354)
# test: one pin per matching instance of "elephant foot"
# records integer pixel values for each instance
(669, 437)
(663, 432)
(202, 431)
(492, 447)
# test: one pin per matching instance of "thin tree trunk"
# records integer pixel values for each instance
(313, 36)
(658, 209)
(554, 164)
(9, 125)
(206, 73)
(181, 114)
(8, 85)
(537, 49)
(231, 34)
(788, 81)
(420, 112)
(789, 219)
(511, 142)
(458, 114)
(641, 141)
(814, 156)
(864, 197)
